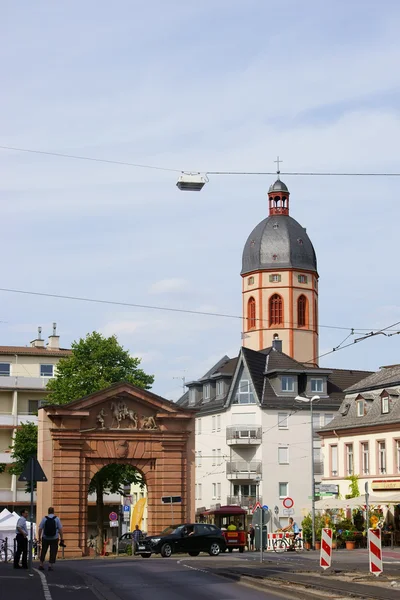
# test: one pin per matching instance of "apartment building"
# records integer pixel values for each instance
(24, 373)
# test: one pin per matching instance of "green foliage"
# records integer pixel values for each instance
(346, 530)
(129, 550)
(2, 467)
(24, 446)
(112, 478)
(354, 489)
(306, 526)
(321, 521)
(96, 363)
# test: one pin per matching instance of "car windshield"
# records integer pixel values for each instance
(172, 529)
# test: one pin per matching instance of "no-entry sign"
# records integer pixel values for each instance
(288, 503)
(113, 516)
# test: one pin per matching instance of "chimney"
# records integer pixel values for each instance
(38, 342)
(277, 343)
(54, 339)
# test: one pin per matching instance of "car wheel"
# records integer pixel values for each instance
(193, 553)
(145, 555)
(166, 550)
(215, 549)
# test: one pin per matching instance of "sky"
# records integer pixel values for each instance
(204, 86)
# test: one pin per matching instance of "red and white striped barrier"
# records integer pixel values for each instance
(325, 559)
(278, 535)
(375, 551)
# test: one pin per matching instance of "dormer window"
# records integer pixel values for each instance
(287, 384)
(360, 408)
(385, 405)
(206, 391)
(220, 387)
(192, 396)
(317, 386)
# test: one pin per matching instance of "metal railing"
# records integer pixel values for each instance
(244, 434)
(240, 469)
(20, 382)
(243, 501)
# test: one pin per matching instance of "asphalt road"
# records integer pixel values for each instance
(169, 579)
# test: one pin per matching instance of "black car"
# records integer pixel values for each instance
(192, 538)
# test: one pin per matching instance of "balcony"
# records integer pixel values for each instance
(243, 501)
(243, 435)
(241, 469)
(7, 496)
(20, 383)
(16, 420)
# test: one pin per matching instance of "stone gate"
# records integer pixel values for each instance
(122, 424)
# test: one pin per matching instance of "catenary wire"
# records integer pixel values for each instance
(208, 172)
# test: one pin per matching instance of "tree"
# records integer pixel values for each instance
(111, 479)
(96, 363)
(24, 446)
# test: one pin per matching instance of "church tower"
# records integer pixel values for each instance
(280, 283)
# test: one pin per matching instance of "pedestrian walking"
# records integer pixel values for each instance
(50, 533)
(252, 533)
(22, 542)
(137, 536)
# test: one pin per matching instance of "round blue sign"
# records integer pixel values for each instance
(113, 516)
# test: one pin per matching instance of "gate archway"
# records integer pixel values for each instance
(120, 424)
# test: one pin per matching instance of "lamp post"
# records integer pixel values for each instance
(257, 481)
(311, 402)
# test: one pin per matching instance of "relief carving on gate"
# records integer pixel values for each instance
(120, 416)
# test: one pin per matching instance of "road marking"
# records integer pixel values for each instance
(69, 587)
(45, 586)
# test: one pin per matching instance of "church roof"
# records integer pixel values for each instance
(278, 242)
(278, 186)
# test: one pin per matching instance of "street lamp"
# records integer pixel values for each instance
(191, 182)
(257, 481)
(311, 401)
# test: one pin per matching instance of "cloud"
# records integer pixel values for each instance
(169, 286)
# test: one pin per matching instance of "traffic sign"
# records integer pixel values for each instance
(126, 508)
(113, 523)
(113, 516)
(32, 471)
(288, 502)
(265, 507)
(257, 505)
(288, 511)
(327, 488)
(171, 499)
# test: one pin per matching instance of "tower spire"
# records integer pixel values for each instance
(277, 161)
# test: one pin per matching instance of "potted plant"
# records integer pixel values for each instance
(349, 537)
(306, 531)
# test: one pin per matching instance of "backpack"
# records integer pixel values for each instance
(50, 527)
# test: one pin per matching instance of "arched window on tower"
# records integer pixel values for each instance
(302, 308)
(251, 313)
(275, 310)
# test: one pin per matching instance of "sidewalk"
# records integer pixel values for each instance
(18, 583)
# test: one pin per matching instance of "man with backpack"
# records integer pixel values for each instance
(50, 532)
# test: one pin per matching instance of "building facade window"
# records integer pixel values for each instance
(199, 491)
(385, 405)
(250, 281)
(275, 310)
(349, 460)
(283, 421)
(198, 426)
(219, 456)
(328, 417)
(206, 391)
(287, 384)
(302, 316)
(214, 491)
(365, 458)
(46, 370)
(5, 369)
(360, 408)
(199, 458)
(244, 394)
(398, 456)
(33, 406)
(382, 457)
(275, 278)
(317, 386)
(218, 422)
(283, 455)
(245, 491)
(251, 313)
(218, 491)
(192, 396)
(334, 461)
(220, 387)
(283, 489)
(214, 457)
(302, 278)
(213, 423)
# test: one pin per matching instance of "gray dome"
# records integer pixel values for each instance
(278, 186)
(278, 242)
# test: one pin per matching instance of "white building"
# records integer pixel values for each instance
(24, 373)
(364, 437)
(253, 440)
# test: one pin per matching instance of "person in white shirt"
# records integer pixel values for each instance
(22, 542)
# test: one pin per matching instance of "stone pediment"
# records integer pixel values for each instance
(120, 407)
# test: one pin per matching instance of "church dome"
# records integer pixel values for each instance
(278, 186)
(278, 242)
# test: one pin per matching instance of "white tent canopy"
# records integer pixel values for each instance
(335, 503)
(8, 525)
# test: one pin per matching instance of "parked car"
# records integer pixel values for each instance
(124, 541)
(191, 538)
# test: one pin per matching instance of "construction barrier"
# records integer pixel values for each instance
(375, 551)
(325, 559)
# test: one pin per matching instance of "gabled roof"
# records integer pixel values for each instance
(256, 364)
(382, 378)
(34, 351)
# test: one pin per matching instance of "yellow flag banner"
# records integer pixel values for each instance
(137, 513)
